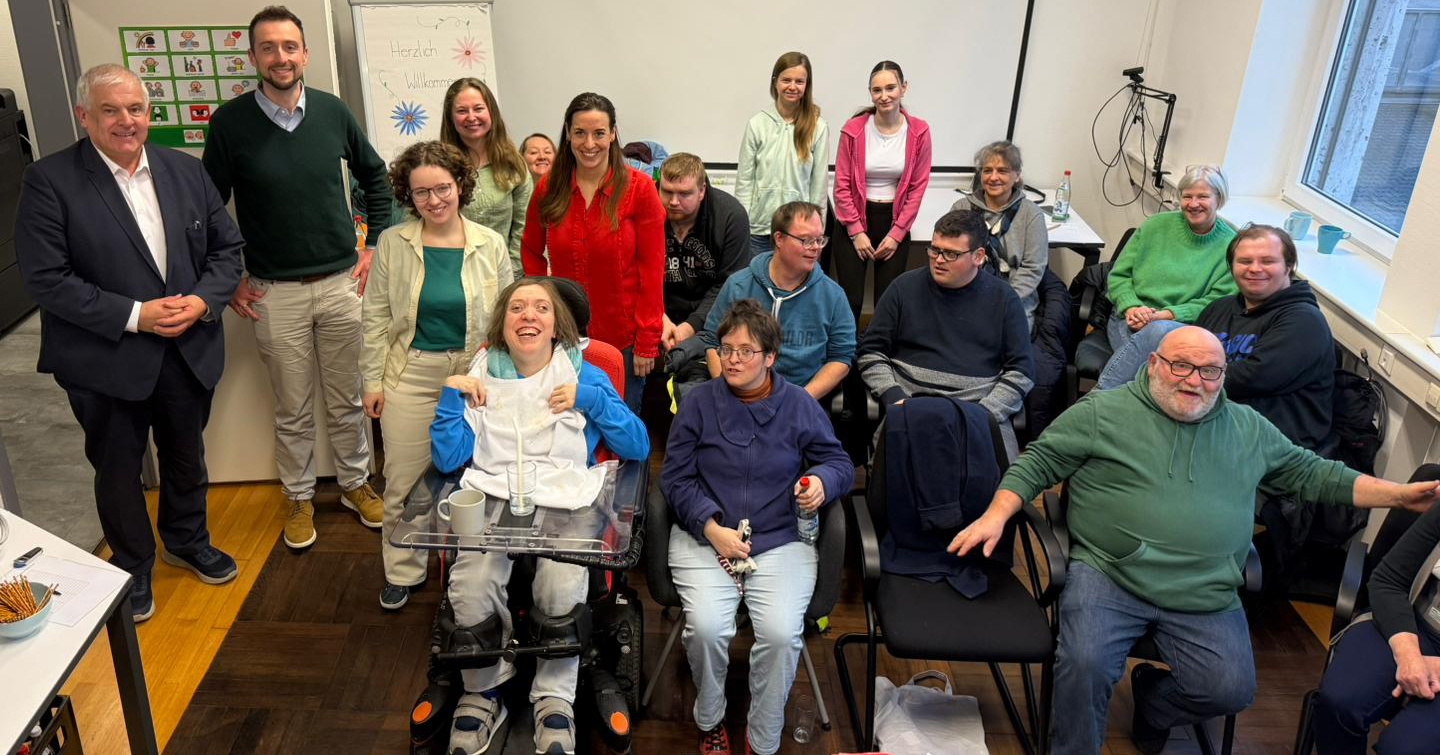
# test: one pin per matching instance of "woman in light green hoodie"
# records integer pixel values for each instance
(785, 155)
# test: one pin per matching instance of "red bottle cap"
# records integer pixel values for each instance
(804, 482)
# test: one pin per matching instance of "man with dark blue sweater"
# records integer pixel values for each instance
(951, 329)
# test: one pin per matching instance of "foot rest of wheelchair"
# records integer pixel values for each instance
(560, 636)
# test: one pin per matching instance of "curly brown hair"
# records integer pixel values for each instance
(439, 155)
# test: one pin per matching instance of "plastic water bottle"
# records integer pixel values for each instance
(1061, 212)
(808, 522)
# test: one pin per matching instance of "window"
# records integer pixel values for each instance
(1379, 106)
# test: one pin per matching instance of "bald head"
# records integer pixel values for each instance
(1190, 350)
(1198, 345)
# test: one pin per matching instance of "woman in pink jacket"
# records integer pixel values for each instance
(881, 170)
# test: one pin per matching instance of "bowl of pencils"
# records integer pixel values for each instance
(23, 607)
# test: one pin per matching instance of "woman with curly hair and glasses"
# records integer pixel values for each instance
(432, 289)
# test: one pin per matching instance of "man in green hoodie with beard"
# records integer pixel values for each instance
(1162, 476)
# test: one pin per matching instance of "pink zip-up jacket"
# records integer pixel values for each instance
(850, 176)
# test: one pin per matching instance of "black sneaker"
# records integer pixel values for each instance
(142, 600)
(1148, 739)
(210, 564)
(394, 597)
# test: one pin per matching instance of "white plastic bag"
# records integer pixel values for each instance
(914, 719)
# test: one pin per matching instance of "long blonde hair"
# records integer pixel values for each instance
(808, 118)
(505, 162)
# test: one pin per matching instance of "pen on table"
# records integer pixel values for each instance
(23, 561)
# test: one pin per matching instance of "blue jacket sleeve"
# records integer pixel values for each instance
(452, 442)
(828, 458)
(717, 312)
(680, 473)
(607, 418)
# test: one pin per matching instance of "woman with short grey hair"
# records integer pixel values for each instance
(1020, 238)
(1172, 267)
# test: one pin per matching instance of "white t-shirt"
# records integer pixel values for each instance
(884, 161)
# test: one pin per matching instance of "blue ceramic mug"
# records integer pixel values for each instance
(1329, 236)
(1297, 225)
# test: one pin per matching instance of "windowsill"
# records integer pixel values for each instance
(1348, 284)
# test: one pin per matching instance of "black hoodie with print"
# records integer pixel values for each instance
(1280, 359)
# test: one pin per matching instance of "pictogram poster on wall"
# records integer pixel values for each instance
(187, 72)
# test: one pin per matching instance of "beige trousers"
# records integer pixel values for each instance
(405, 427)
(305, 330)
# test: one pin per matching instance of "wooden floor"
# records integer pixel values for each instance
(312, 662)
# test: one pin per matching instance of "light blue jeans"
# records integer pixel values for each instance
(777, 593)
(1132, 349)
(1213, 666)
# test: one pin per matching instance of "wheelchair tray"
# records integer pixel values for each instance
(605, 534)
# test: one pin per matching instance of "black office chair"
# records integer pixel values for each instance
(1354, 598)
(914, 618)
(659, 517)
(1091, 350)
(1145, 648)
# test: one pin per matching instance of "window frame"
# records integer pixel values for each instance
(1367, 235)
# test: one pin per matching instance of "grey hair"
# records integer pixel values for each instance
(1003, 149)
(104, 75)
(1211, 176)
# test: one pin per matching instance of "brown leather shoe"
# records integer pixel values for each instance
(366, 503)
(300, 524)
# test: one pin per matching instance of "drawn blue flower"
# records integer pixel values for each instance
(409, 118)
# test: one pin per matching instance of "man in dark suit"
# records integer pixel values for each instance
(132, 257)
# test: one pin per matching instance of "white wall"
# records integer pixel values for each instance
(10, 77)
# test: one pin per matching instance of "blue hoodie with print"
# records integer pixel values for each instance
(815, 321)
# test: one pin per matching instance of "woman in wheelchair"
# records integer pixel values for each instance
(529, 381)
(744, 453)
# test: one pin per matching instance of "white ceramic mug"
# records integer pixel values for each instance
(464, 511)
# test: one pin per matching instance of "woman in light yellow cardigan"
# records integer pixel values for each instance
(432, 288)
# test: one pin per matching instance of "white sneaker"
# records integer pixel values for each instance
(554, 727)
(476, 719)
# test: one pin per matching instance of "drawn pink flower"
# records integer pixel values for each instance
(466, 52)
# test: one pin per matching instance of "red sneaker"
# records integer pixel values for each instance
(715, 741)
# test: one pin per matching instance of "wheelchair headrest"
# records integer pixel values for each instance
(575, 299)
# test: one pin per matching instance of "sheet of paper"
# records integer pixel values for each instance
(80, 588)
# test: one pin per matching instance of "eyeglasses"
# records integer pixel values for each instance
(814, 243)
(443, 191)
(949, 256)
(1208, 373)
(744, 352)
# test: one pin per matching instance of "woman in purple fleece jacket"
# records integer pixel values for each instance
(738, 451)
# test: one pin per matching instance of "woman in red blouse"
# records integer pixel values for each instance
(600, 223)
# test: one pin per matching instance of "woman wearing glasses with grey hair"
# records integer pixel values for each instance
(1173, 266)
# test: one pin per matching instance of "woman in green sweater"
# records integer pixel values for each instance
(433, 285)
(502, 180)
(1172, 267)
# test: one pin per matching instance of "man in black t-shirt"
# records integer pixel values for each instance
(707, 235)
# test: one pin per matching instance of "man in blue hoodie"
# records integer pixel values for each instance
(817, 329)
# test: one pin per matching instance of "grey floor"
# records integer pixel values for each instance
(46, 446)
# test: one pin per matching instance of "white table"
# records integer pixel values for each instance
(1074, 234)
(36, 667)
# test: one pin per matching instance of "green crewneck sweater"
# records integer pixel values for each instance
(291, 195)
(1166, 509)
(1165, 265)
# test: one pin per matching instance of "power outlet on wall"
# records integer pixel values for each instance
(1387, 359)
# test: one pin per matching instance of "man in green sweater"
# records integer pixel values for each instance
(1162, 476)
(280, 151)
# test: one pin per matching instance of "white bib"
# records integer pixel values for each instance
(516, 421)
